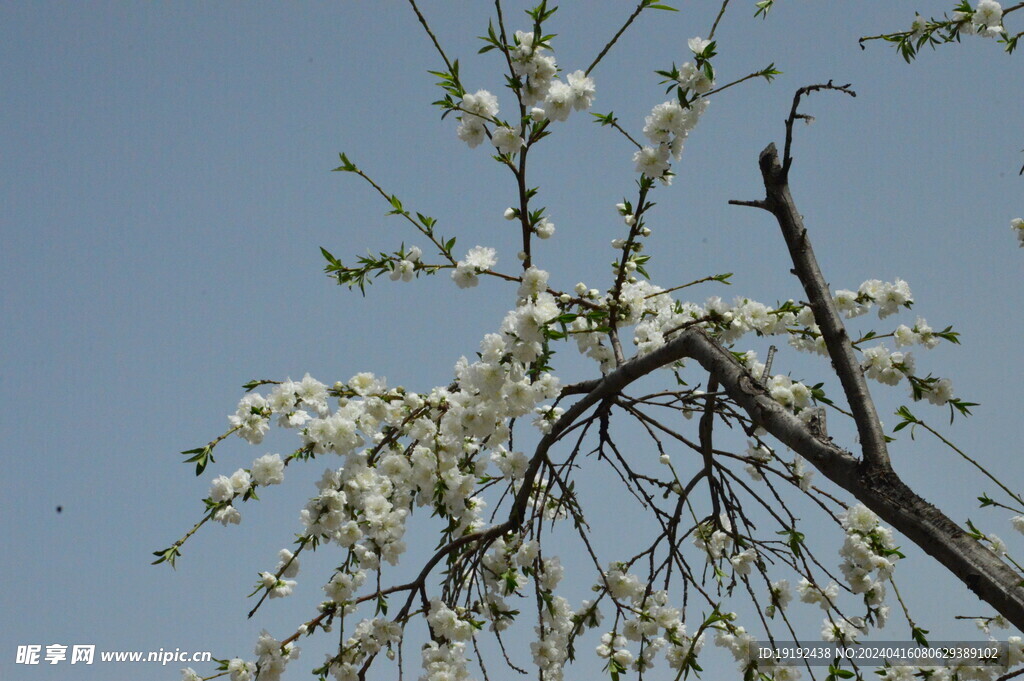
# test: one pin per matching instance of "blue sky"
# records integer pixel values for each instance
(165, 186)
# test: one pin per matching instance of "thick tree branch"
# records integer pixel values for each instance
(873, 481)
(878, 488)
(992, 580)
(779, 202)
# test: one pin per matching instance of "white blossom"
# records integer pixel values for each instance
(582, 88)
(652, 162)
(507, 140)
(698, 45)
(268, 470)
(221, 489)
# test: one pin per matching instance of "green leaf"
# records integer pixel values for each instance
(770, 72)
(975, 532)
(201, 456)
(794, 541)
(835, 672)
(763, 7)
(397, 204)
(961, 406)
(346, 165)
(918, 634)
(427, 221)
(328, 257)
(168, 555)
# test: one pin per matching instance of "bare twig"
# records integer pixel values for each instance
(787, 159)
(714, 26)
(615, 38)
(433, 38)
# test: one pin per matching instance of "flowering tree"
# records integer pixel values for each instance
(494, 457)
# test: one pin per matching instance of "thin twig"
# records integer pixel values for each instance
(787, 159)
(714, 26)
(433, 38)
(735, 82)
(615, 125)
(634, 15)
(682, 286)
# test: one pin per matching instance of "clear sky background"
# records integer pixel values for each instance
(164, 189)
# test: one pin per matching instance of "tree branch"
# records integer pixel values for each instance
(787, 160)
(879, 488)
(780, 203)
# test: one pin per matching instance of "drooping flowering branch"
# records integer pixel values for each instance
(722, 526)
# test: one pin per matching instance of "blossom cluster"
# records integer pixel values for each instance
(281, 586)
(738, 642)
(452, 436)
(919, 334)
(555, 99)
(272, 657)
(887, 367)
(550, 647)
(669, 123)
(985, 20)
(757, 455)
(716, 540)
(368, 638)
(812, 593)
(444, 662)
(479, 259)
(888, 296)
(869, 553)
(446, 623)
(266, 470)
(652, 622)
(780, 596)
(477, 108)
(405, 268)
(656, 315)
(504, 573)
(531, 59)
